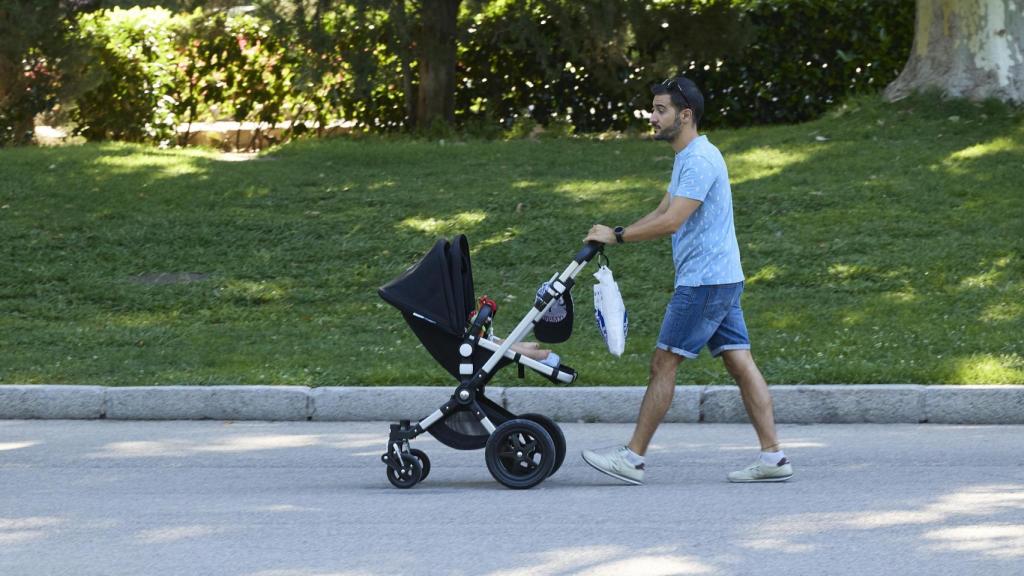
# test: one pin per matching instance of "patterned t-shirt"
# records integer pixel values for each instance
(704, 248)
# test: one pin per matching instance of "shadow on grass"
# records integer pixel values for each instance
(881, 244)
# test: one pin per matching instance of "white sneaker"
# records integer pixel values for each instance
(761, 472)
(613, 462)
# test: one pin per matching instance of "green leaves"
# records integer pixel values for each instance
(557, 63)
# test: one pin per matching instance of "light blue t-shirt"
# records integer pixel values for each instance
(704, 248)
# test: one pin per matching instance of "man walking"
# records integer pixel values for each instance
(705, 307)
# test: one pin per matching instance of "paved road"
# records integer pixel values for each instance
(108, 498)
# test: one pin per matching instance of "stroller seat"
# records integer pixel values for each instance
(436, 298)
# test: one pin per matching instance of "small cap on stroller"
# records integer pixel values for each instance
(555, 326)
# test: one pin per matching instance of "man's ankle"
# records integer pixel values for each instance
(634, 458)
(772, 458)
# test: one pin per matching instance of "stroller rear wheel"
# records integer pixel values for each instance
(520, 453)
(410, 473)
(557, 437)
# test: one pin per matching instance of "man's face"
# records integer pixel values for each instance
(666, 120)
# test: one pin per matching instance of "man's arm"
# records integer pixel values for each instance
(662, 207)
(654, 225)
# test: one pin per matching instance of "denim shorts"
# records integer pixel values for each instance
(704, 315)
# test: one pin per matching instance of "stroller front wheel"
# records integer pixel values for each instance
(520, 453)
(408, 475)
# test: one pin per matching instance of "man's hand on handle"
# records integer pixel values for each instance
(601, 233)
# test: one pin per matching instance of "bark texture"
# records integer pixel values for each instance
(966, 49)
(437, 49)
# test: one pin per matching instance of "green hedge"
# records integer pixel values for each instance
(582, 66)
(157, 70)
(133, 55)
(806, 55)
(34, 57)
(758, 61)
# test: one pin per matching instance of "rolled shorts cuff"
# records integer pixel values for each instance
(678, 351)
(718, 351)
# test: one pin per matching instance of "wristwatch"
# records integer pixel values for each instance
(618, 234)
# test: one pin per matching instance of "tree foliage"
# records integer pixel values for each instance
(36, 62)
(581, 65)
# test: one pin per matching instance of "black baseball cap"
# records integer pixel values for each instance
(555, 326)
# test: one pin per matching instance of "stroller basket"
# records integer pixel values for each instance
(436, 298)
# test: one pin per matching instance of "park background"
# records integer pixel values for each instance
(875, 151)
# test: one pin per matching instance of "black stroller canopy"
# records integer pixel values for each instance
(438, 289)
(435, 296)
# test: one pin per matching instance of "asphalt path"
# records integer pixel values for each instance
(136, 498)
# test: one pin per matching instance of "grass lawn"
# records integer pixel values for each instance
(881, 243)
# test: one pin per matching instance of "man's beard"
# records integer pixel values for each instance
(671, 132)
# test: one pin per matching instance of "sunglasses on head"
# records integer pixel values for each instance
(671, 83)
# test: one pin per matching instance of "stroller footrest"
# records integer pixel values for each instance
(563, 375)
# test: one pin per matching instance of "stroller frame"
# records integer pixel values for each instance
(521, 451)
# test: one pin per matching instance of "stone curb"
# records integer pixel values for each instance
(796, 404)
(208, 403)
(381, 402)
(825, 403)
(52, 402)
(975, 405)
(599, 403)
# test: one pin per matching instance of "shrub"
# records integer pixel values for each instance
(36, 62)
(157, 70)
(137, 76)
(757, 61)
(587, 63)
(233, 66)
(804, 56)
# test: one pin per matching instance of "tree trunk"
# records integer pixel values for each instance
(15, 116)
(436, 46)
(15, 113)
(966, 49)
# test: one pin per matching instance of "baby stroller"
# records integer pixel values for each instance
(436, 298)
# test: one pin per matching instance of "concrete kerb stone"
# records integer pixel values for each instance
(208, 403)
(51, 402)
(974, 404)
(597, 403)
(804, 404)
(847, 404)
(392, 403)
(824, 404)
(721, 404)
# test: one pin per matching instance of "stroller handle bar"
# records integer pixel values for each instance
(589, 250)
(560, 283)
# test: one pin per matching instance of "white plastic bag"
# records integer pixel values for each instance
(610, 312)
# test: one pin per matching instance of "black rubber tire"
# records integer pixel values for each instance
(520, 454)
(424, 462)
(556, 436)
(412, 476)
